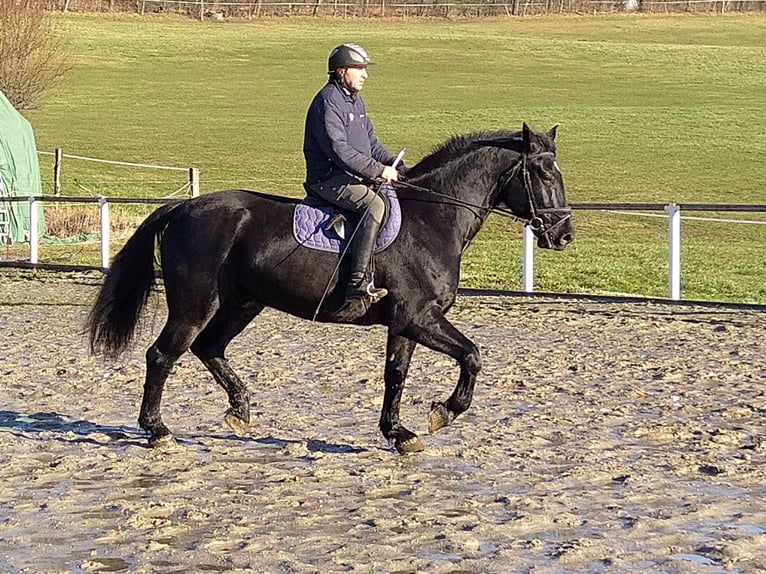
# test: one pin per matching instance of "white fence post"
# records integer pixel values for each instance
(193, 181)
(674, 251)
(527, 260)
(104, 209)
(34, 222)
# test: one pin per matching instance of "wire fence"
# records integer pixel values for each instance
(190, 186)
(208, 9)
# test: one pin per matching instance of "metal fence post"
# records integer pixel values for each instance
(104, 209)
(674, 251)
(527, 260)
(33, 228)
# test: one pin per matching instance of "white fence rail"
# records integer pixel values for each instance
(672, 213)
(105, 225)
(59, 155)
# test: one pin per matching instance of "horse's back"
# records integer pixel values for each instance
(224, 213)
(209, 230)
(232, 200)
(243, 235)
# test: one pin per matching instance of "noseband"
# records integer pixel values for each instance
(535, 222)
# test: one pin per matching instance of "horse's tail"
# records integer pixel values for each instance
(113, 318)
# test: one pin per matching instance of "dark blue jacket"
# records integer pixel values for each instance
(339, 137)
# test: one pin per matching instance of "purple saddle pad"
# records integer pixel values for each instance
(312, 216)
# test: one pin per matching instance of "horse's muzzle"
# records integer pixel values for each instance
(558, 234)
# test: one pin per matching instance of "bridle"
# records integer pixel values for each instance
(534, 221)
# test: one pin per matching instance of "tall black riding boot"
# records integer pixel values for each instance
(361, 252)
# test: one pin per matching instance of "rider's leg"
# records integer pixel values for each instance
(359, 286)
(359, 198)
(371, 209)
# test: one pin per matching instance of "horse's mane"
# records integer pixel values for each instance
(459, 145)
(455, 147)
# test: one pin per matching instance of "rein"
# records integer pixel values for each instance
(455, 201)
(535, 222)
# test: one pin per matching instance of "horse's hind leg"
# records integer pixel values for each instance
(210, 346)
(173, 341)
(398, 354)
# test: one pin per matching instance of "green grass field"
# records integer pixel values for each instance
(650, 108)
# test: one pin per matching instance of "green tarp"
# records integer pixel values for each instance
(19, 170)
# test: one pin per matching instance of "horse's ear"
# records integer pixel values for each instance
(525, 131)
(552, 132)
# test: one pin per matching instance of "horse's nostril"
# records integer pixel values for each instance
(567, 238)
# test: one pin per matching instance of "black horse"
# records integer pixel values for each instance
(225, 256)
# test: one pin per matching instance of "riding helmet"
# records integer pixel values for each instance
(347, 56)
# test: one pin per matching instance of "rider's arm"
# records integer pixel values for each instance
(334, 141)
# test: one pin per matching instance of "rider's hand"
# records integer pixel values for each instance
(390, 174)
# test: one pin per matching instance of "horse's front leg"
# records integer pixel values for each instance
(433, 330)
(398, 354)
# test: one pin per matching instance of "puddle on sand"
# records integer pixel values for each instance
(752, 529)
(696, 558)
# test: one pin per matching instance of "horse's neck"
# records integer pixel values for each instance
(474, 193)
(470, 178)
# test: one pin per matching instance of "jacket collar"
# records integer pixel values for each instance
(350, 96)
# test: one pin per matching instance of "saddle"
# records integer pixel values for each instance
(324, 227)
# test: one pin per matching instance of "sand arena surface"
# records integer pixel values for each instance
(604, 437)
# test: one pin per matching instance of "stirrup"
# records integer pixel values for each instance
(375, 294)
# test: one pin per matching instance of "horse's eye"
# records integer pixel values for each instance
(549, 176)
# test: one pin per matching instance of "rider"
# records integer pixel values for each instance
(343, 157)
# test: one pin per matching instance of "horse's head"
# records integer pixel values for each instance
(533, 187)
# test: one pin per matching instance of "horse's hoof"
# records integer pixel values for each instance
(439, 417)
(409, 445)
(236, 424)
(163, 442)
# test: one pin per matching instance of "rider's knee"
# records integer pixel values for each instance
(377, 208)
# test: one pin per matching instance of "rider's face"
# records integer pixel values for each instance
(353, 78)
